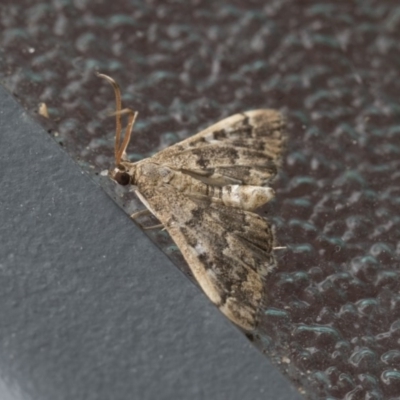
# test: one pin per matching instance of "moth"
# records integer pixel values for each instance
(204, 191)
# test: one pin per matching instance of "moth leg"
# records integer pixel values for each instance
(158, 226)
(138, 214)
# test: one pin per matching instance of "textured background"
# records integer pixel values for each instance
(333, 319)
(89, 308)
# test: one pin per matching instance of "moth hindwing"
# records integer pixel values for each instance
(204, 191)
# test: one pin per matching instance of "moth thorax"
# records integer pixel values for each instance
(156, 173)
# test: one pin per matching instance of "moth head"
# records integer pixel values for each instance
(123, 172)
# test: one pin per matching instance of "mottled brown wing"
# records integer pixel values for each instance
(242, 149)
(228, 250)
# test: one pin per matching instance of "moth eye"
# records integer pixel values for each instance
(122, 178)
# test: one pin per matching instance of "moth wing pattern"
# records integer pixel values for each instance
(229, 250)
(242, 149)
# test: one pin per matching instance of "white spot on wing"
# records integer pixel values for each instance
(200, 249)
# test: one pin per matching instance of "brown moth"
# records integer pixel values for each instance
(204, 190)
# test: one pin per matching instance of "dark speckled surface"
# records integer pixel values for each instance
(333, 315)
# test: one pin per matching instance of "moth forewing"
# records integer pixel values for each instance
(229, 250)
(203, 190)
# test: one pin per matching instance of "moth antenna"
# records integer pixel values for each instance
(118, 104)
(128, 132)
